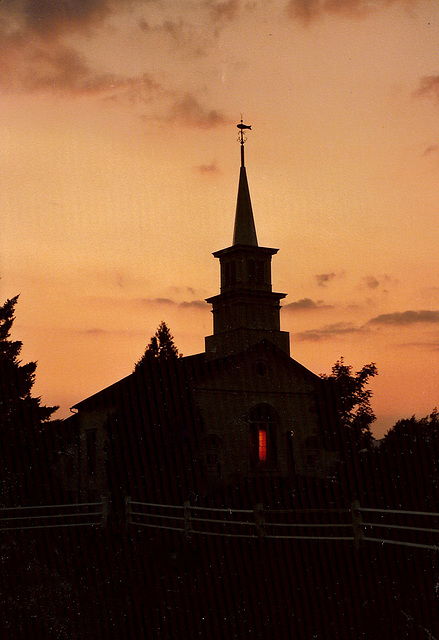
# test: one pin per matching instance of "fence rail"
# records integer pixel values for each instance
(417, 529)
(54, 516)
(291, 524)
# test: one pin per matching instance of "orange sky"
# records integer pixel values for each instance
(119, 170)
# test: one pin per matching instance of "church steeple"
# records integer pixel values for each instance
(246, 311)
(245, 230)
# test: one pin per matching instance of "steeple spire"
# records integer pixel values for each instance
(245, 230)
(247, 310)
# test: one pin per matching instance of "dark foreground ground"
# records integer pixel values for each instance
(120, 584)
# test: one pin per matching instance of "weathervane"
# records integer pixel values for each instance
(242, 138)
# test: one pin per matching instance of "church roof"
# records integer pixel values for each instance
(245, 230)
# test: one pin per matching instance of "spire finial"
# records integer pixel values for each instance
(242, 138)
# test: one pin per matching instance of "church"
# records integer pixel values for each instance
(242, 410)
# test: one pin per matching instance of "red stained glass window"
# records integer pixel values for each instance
(263, 425)
(262, 445)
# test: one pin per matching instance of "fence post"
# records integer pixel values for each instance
(104, 511)
(128, 516)
(357, 523)
(187, 519)
(259, 520)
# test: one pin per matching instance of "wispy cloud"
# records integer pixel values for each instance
(330, 331)
(48, 17)
(323, 279)
(405, 318)
(189, 111)
(401, 319)
(37, 55)
(432, 345)
(99, 332)
(193, 304)
(432, 149)
(190, 290)
(166, 302)
(32, 62)
(307, 11)
(224, 11)
(428, 88)
(208, 169)
(306, 304)
(373, 283)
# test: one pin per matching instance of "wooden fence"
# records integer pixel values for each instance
(418, 529)
(358, 524)
(54, 516)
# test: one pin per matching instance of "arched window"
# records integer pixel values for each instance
(263, 425)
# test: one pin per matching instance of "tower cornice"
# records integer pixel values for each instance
(245, 249)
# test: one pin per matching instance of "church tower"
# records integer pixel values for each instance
(246, 311)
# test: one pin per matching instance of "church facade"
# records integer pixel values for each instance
(241, 409)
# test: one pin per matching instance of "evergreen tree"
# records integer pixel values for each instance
(160, 346)
(21, 414)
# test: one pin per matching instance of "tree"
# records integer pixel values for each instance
(21, 414)
(160, 346)
(409, 452)
(353, 399)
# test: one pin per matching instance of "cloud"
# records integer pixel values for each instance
(92, 332)
(98, 332)
(307, 11)
(373, 283)
(35, 55)
(169, 302)
(177, 31)
(59, 69)
(428, 88)
(370, 282)
(323, 278)
(431, 150)
(329, 331)
(405, 318)
(186, 289)
(164, 301)
(50, 17)
(187, 110)
(426, 346)
(306, 304)
(207, 169)
(35, 65)
(194, 304)
(225, 11)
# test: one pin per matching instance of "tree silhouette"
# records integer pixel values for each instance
(160, 346)
(355, 412)
(21, 414)
(409, 453)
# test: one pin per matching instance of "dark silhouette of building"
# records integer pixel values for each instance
(243, 409)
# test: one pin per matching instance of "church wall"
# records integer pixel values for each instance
(227, 400)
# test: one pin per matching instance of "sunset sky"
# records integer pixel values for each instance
(119, 171)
